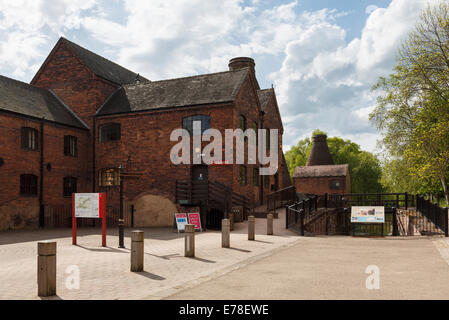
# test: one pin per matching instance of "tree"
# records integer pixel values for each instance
(413, 107)
(364, 167)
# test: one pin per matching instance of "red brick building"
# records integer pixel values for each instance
(84, 119)
(321, 175)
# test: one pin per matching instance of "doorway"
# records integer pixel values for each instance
(200, 173)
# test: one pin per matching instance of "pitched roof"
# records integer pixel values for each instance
(103, 67)
(218, 87)
(339, 170)
(25, 99)
(320, 154)
(264, 97)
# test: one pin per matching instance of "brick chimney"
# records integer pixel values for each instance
(244, 62)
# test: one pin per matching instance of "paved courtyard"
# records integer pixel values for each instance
(335, 268)
(104, 272)
(284, 266)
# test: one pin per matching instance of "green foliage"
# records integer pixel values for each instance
(413, 108)
(364, 167)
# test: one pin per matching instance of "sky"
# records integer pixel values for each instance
(321, 56)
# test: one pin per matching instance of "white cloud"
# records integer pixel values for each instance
(325, 82)
(322, 79)
(369, 9)
(26, 26)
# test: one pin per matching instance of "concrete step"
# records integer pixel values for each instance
(264, 214)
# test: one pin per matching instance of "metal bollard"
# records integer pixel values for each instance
(189, 240)
(251, 228)
(270, 224)
(46, 269)
(137, 248)
(225, 233)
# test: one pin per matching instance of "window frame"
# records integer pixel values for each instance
(68, 146)
(187, 122)
(335, 184)
(266, 182)
(256, 177)
(242, 121)
(104, 137)
(25, 141)
(244, 181)
(29, 185)
(69, 180)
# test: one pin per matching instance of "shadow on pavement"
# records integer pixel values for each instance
(150, 275)
(105, 249)
(166, 257)
(237, 249)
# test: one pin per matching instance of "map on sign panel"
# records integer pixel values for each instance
(87, 205)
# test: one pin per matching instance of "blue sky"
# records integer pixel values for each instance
(321, 56)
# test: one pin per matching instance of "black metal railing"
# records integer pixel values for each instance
(301, 213)
(434, 218)
(397, 200)
(281, 198)
(213, 196)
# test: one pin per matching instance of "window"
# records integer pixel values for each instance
(109, 177)
(69, 186)
(28, 185)
(110, 132)
(70, 146)
(187, 123)
(267, 182)
(256, 177)
(256, 130)
(268, 139)
(243, 123)
(30, 139)
(335, 184)
(243, 180)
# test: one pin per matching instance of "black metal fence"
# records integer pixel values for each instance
(397, 200)
(61, 217)
(431, 218)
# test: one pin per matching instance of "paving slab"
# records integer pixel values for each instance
(105, 272)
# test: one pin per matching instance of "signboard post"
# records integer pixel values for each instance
(195, 219)
(89, 205)
(181, 221)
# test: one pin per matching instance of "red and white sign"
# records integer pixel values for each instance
(195, 219)
(181, 221)
(89, 205)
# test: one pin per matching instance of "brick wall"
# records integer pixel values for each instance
(17, 211)
(321, 185)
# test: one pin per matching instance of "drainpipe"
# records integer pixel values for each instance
(93, 155)
(41, 187)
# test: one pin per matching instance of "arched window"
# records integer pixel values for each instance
(28, 185)
(187, 123)
(109, 177)
(110, 132)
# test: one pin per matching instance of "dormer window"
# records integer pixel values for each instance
(110, 132)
